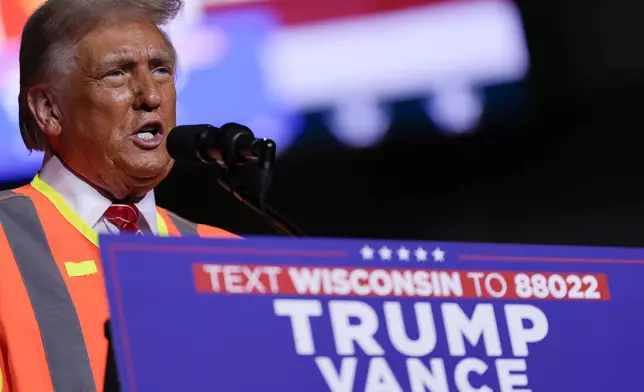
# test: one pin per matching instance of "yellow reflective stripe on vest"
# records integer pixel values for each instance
(72, 217)
(163, 228)
(51, 302)
(67, 212)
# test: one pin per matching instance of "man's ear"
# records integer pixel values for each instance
(44, 110)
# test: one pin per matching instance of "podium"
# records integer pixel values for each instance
(291, 315)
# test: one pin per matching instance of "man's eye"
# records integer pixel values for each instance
(115, 73)
(163, 70)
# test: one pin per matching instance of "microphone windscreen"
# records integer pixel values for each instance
(185, 141)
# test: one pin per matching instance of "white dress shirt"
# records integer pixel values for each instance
(89, 204)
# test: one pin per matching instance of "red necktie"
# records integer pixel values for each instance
(125, 217)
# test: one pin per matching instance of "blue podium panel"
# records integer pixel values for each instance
(284, 315)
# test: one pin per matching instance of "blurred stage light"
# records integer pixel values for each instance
(398, 54)
(456, 110)
(359, 123)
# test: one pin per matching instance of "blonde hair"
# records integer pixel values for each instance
(55, 27)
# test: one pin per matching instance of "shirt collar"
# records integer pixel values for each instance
(86, 201)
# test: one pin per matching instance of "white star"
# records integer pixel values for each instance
(385, 253)
(438, 254)
(403, 254)
(366, 252)
(421, 254)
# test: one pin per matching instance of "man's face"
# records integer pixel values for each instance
(117, 108)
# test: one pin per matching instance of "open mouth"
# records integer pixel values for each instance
(149, 132)
(149, 136)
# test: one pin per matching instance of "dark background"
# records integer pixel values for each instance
(562, 165)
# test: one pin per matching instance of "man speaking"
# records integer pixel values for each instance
(97, 95)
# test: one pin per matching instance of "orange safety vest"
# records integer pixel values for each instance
(53, 304)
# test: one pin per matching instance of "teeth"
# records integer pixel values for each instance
(145, 135)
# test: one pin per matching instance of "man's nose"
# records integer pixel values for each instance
(148, 96)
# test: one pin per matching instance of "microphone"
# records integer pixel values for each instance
(231, 145)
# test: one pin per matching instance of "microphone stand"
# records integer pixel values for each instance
(263, 151)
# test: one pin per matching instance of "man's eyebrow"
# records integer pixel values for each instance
(163, 57)
(125, 59)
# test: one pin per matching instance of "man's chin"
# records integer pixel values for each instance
(149, 171)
